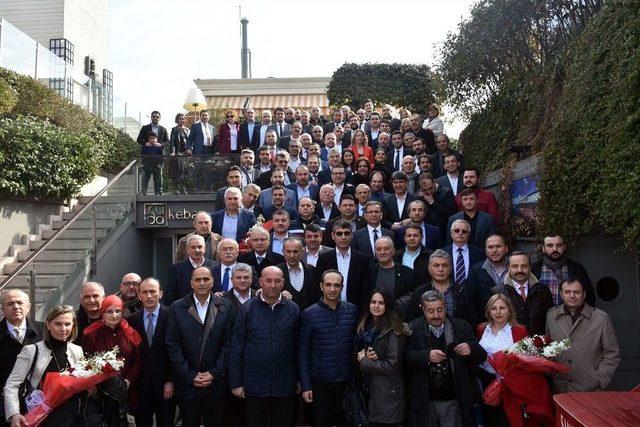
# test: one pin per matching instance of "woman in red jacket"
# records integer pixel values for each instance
(115, 394)
(228, 134)
(500, 332)
(360, 146)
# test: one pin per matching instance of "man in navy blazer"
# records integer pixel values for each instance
(364, 238)
(400, 184)
(155, 384)
(482, 224)
(452, 176)
(238, 221)
(431, 234)
(471, 255)
(228, 251)
(281, 127)
(154, 126)
(201, 137)
(180, 272)
(198, 341)
(249, 134)
(260, 257)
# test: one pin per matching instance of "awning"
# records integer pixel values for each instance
(269, 102)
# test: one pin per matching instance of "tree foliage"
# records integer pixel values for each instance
(413, 86)
(505, 40)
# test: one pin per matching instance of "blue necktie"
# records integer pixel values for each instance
(225, 280)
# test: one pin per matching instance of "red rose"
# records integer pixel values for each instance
(538, 341)
(108, 368)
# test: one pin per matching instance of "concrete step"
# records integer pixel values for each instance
(86, 224)
(103, 211)
(64, 245)
(56, 255)
(124, 199)
(43, 281)
(43, 267)
(75, 234)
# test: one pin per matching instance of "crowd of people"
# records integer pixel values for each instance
(351, 257)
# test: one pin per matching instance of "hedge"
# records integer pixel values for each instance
(24, 101)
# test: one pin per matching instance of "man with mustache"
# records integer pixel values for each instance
(555, 267)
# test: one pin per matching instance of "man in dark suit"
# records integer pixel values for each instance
(180, 272)
(299, 279)
(249, 134)
(16, 331)
(439, 167)
(249, 173)
(348, 213)
(364, 239)
(302, 187)
(350, 263)
(414, 255)
(154, 126)
(397, 204)
(260, 257)
(234, 179)
(463, 255)
(281, 127)
(232, 222)
(285, 141)
(452, 178)
(155, 384)
(198, 339)
(439, 201)
(201, 136)
(431, 235)
(313, 247)
(327, 209)
(241, 291)
(397, 153)
(337, 121)
(282, 163)
(202, 226)
(482, 224)
(396, 278)
(278, 200)
(221, 273)
(325, 176)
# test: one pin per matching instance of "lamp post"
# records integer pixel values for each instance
(195, 102)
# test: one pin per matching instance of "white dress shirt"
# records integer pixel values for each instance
(223, 268)
(343, 262)
(296, 276)
(337, 193)
(208, 138)
(453, 179)
(493, 343)
(233, 132)
(202, 308)
(278, 242)
(400, 204)
(229, 226)
(242, 299)
(311, 258)
(370, 229)
(22, 328)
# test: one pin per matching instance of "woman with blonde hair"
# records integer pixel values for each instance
(499, 332)
(360, 146)
(54, 354)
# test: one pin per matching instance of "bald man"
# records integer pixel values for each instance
(129, 293)
(16, 331)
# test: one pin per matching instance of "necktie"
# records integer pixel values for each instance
(279, 130)
(149, 330)
(460, 271)
(375, 237)
(225, 280)
(18, 334)
(523, 294)
(396, 163)
(259, 259)
(248, 177)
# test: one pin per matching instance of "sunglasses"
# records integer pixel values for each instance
(342, 233)
(230, 117)
(460, 231)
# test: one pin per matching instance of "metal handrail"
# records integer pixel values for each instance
(55, 235)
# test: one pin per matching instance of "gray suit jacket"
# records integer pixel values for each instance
(286, 129)
(265, 201)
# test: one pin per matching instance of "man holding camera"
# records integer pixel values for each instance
(440, 354)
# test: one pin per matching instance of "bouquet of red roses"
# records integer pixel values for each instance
(60, 386)
(521, 385)
(243, 245)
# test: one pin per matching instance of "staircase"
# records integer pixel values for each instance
(66, 262)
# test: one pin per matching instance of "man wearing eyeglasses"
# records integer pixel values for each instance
(129, 293)
(154, 126)
(463, 255)
(350, 263)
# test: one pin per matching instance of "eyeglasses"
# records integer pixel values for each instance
(155, 117)
(131, 283)
(460, 231)
(230, 117)
(342, 233)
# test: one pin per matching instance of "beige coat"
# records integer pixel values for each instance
(181, 249)
(594, 354)
(22, 367)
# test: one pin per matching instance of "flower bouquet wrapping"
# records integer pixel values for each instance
(521, 384)
(60, 386)
(244, 245)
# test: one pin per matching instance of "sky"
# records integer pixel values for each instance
(157, 47)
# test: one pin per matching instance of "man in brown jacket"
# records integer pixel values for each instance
(594, 354)
(202, 226)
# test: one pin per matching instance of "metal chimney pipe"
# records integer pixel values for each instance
(245, 49)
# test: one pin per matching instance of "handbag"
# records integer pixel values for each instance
(355, 409)
(26, 388)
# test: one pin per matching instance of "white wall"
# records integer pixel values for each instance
(39, 19)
